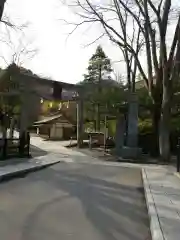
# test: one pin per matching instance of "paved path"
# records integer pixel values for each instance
(43, 154)
(13, 167)
(75, 201)
(67, 154)
(162, 189)
(82, 155)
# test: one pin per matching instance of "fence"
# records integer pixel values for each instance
(15, 147)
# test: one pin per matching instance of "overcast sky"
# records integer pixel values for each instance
(56, 58)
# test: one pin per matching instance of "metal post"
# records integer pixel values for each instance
(178, 155)
(105, 132)
(80, 120)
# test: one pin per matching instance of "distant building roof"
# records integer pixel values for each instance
(51, 119)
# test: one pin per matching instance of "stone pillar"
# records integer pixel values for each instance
(131, 151)
(30, 103)
(119, 137)
(132, 134)
(80, 121)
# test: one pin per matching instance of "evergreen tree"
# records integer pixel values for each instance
(99, 69)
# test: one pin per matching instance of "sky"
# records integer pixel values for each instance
(56, 57)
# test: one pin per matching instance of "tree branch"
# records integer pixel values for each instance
(2, 4)
(94, 41)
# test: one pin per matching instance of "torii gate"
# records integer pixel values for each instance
(32, 88)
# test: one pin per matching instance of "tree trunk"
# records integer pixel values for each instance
(98, 124)
(156, 95)
(164, 129)
(4, 132)
(4, 127)
(12, 124)
(156, 115)
(94, 123)
(2, 3)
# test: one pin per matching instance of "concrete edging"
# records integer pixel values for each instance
(155, 227)
(177, 174)
(9, 175)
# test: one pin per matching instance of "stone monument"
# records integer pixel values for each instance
(131, 149)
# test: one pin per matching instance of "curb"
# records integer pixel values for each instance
(155, 227)
(22, 172)
(177, 175)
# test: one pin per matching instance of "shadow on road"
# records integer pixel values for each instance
(37, 152)
(116, 210)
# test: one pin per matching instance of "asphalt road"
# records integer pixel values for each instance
(74, 201)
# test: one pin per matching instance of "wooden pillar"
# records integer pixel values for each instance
(80, 121)
(24, 111)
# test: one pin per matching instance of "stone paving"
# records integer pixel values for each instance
(162, 191)
(44, 153)
(16, 166)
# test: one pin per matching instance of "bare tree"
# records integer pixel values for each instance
(116, 18)
(4, 19)
(20, 49)
(133, 39)
(2, 3)
(153, 19)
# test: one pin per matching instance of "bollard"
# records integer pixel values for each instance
(70, 144)
(178, 155)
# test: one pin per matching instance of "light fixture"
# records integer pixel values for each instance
(51, 104)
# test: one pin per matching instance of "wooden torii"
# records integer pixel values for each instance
(32, 89)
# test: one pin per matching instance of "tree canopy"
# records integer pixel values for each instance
(103, 95)
(99, 67)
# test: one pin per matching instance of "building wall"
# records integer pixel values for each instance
(44, 130)
(56, 132)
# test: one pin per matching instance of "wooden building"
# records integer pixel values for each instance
(56, 127)
(31, 89)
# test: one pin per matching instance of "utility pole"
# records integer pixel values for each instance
(80, 120)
